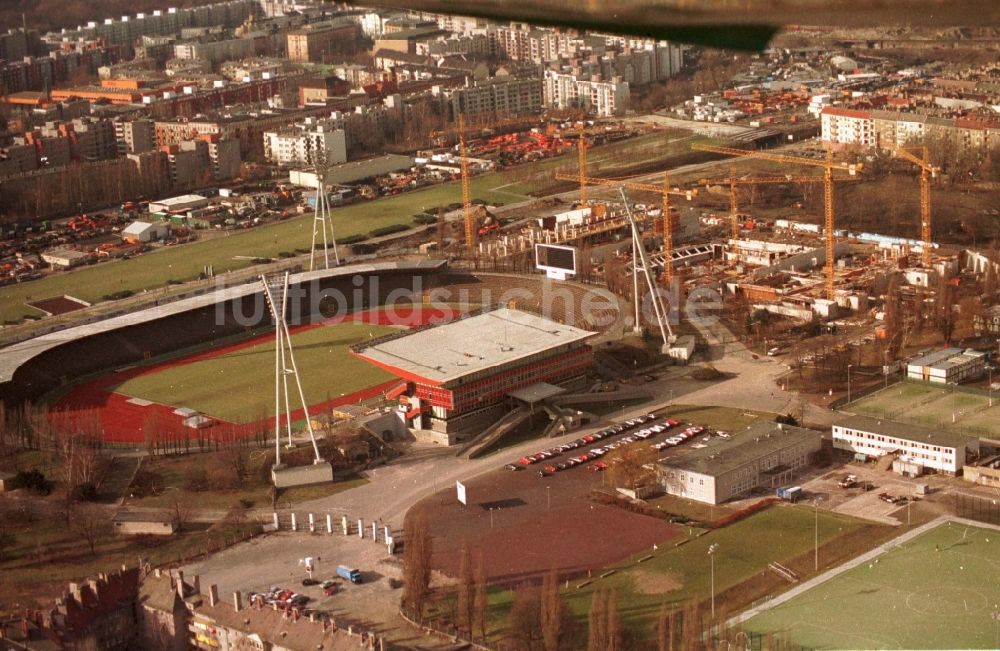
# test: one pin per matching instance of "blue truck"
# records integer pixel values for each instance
(354, 576)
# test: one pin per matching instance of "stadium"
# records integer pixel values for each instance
(210, 357)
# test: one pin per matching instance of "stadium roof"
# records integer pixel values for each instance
(16, 354)
(477, 343)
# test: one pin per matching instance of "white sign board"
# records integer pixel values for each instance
(460, 492)
(558, 262)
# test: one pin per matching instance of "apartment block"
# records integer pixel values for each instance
(499, 95)
(601, 98)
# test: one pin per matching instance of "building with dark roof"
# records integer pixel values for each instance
(766, 455)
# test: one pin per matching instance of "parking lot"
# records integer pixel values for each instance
(273, 561)
(518, 505)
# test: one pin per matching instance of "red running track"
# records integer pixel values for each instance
(94, 404)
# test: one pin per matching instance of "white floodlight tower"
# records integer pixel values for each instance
(661, 313)
(322, 220)
(276, 293)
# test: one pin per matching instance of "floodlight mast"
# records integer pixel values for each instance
(284, 366)
(661, 314)
(322, 220)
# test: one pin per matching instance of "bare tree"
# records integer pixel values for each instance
(417, 551)
(630, 466)
(465, 592)
(523, 626)
(481, 601)
(551, 612)
(90, 524)
(7, 532)
(597, 622)
(614, 631)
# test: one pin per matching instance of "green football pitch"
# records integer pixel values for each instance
(238, 385)
(931, 405)
(940, 590)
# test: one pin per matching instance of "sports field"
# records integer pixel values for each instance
(931, 405)
(675, 575)
(937, 591)
(182, 263)
(238, 385)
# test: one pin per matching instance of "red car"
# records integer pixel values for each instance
(551, 468)
(599, 466)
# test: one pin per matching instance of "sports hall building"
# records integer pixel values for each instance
(459, 376)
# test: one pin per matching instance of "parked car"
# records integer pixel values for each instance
(307, 582)
(512, 466)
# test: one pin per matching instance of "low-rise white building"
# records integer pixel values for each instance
(948, 366)
(65, 258)
(602, 98)
(767, 455)
(145, 231)
(931, 449)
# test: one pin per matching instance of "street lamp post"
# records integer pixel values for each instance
(849, 383)
(989, 370)
(711, 555)
(816, 535)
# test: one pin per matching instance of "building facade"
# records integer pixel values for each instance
(498, 95)
(768, 455)
(601, 98)
(924, 447)
(455, 377)
(307, 143)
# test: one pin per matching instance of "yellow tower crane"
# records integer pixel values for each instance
(829, 167)
(927, 172)
(664, 190)
(470, 226)
(734, 181)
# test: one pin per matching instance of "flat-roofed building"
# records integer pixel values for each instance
(767, 455)
(455, 377)
(947, 366)
(928, 448)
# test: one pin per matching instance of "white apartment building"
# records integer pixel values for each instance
(930, 449)
(307, 143)
(847, 127)
(602, 98)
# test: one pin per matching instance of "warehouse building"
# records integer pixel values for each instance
(767, 455)
(460, 376)
(915, 449)
(948, 366)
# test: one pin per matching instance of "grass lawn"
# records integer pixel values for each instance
(727, 419)
(676, 575)
(238, 386)
(932, 406)
(914, 597)
(229, 253)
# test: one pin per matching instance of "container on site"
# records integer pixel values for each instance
(354, 576)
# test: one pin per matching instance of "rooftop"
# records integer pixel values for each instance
(721, 456)
(460, 348)
(946, 358)
(904, 431)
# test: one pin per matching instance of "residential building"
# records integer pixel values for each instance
(497, 95)
(318, 90)
(224, 157)
(406, 40)
(602, 98)
(322, 42)
(189, 164)
(307, 143)
(89, 139)
(215, 51)
(947, 366)
(767, 455)
(846, 126)
(135, 136)
(921, 447)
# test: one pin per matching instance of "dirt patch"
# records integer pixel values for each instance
(644, 582)
(59, 305)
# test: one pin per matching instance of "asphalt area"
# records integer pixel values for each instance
(526, 523)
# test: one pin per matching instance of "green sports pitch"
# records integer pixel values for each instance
(930, 405)
(940, 590)
(238, 385)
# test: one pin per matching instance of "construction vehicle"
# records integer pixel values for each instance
(828, 165)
